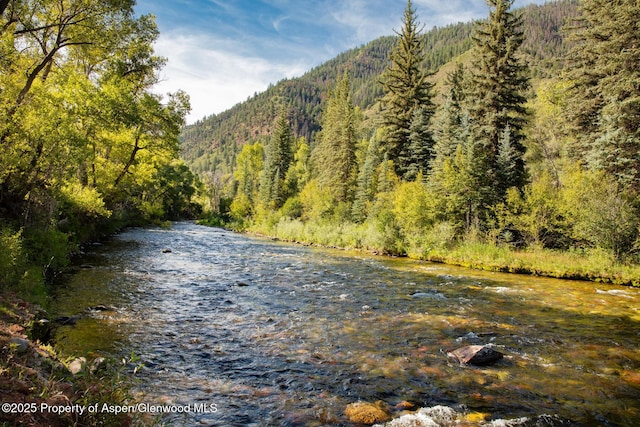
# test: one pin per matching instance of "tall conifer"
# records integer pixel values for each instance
(406, 90)
(498, 83)
(605, 98)
(278, 158)
(334, 158)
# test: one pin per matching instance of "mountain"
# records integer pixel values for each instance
(211, 144)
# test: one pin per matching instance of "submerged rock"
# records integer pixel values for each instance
(539, 421)
(367, 413)
(475, 355)
(102, 308)
(425, 417)
(66, 320)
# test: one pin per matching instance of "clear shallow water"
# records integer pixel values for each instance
(282, 335)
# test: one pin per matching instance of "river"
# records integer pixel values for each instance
(272, 334)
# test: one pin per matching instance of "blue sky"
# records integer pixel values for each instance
(223, 51)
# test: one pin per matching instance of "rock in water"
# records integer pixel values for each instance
(367, 413)
(476, 355)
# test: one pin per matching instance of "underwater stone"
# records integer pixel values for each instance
(475, 355)
(367, 413)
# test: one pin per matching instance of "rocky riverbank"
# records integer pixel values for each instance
(37, 387)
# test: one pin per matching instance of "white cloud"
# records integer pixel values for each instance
(214, 76)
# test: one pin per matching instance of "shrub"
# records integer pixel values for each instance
(600, 213)
(11, 256)
(292, 208)
(48, 249)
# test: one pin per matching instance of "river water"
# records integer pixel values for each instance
(272, 334)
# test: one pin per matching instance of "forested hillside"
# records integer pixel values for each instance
(211, 144)
(508, 143)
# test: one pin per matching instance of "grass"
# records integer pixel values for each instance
(593, 265)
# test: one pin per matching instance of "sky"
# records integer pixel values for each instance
(221, 52)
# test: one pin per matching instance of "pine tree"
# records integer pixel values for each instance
(497, 90)
(420, 144)
(605, 98)
(452, 120)
(334, 156)
(507, 161)
(460, 186)
(406, 90)
(366, 189)
(278, 158)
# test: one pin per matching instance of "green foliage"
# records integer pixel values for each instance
(408, 97)
(460, 185)
(85, 146)
(334, 155)
(367, 178)
(292, 208)
(411, 207)
(241, 207)
(85, 200)
(498, 85)
(300, 171)
(387, 225)
(600, 213)
(605, 97)
(12, 256)
(450, 186)
(47, 249)
(538, 214)
(548, 132)
(316, 201)
(249, 165)
(273, 191)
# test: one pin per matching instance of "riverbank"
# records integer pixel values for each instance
(37, 385)
(589, 265)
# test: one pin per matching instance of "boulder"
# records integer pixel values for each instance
(367, 413)
(77, 365)
(20, 344)
(475, 355)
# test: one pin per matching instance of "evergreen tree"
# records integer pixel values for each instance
(299, 173)
(334, 156)
(366, 189)
(605, 71)
(498, 83)
(507, 160)
(420, 144)
(460, 186)
(452, 121)
(406, 90)
(278, 158)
